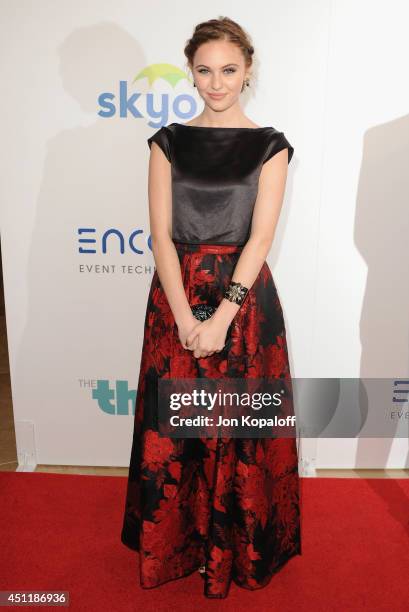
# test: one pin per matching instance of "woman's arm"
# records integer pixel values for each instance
(163, 248)
(272, 181)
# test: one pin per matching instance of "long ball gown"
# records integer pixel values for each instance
(231, 504)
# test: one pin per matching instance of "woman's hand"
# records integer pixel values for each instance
(185, 328)
(207, 338)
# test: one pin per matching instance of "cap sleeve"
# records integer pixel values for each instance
(277, 143)
(161, 137)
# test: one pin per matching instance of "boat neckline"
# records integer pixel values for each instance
(211, 127)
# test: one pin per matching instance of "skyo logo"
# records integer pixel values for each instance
(182, 105)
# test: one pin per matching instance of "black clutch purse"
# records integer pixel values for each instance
(204, 312)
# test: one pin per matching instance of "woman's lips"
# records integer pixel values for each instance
(217, 96)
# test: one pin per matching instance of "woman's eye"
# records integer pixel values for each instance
(228, 70)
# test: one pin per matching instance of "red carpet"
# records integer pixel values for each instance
(62, 532)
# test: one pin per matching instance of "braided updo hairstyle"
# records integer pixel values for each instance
(222, 28)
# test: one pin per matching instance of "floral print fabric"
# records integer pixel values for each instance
(228, 503)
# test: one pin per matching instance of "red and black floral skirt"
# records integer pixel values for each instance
(231, 504)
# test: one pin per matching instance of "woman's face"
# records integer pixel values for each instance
(219, 71)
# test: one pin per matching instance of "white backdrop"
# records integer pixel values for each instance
(82, 92)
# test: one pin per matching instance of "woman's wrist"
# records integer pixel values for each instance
(226, 311)
(185, 318)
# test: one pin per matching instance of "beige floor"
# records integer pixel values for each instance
(8, 455)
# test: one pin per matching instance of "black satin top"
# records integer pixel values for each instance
(215, 173)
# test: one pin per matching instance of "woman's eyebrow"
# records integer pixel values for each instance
(204, 65)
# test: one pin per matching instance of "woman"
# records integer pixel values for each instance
(227, 507)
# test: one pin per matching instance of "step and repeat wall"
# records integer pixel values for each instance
(83, 90)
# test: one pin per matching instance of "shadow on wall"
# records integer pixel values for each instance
(381, 236)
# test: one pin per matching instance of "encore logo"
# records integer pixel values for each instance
(112, 240)
(155, 107)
